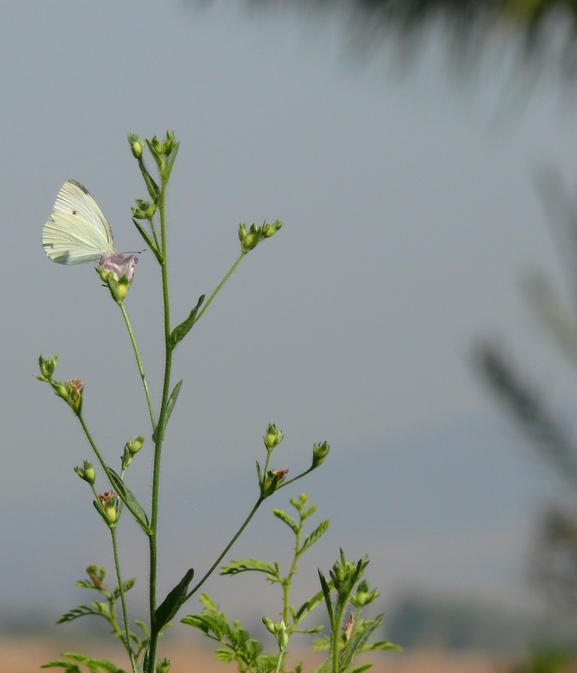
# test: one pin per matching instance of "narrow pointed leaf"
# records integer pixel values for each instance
(308, 606)
(172, 401)
(327, 594)
(169, 407)
(147, 239)
(172, 603)
(180, 331)
(128, 498)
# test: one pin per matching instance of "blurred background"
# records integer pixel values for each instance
(416, 310)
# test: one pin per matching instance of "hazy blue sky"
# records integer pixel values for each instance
(409, 219)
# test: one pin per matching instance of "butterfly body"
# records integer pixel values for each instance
(77, 231)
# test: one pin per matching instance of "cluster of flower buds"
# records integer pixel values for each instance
(69, 391)
(278, 629)
(86, 472)
(251, 238)
(343, 572)
(117, 271)
(163, 151)
(131, 448)
(108, 507)
(144, 210)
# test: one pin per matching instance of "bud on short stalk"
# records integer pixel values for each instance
(320, 452)
(137, 145)
(163, 666)
(47, 367)
(86, 472)
(273, 437)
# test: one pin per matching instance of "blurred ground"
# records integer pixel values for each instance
(24, 655)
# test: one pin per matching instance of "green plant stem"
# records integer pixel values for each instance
(288, 580)
(140, 367)
(226, 549)
(220, 285)
(280, 660)
(159, 434)
(127, 644)
(95, 448)
(337, 634)
(299, 476)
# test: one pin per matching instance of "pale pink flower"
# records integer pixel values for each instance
(119, 264)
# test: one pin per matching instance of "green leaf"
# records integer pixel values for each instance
(60, 663)
(252, 564)
(327, 595)
(383, 645)
(126, 586)
(315, 535)
(172, 401)
(97, 609)
(180, 331)
(169, 407)
(286, 518)
(128, 498)
(360, 669)
(93, 665)
(172, 603)
(308, 606)
(356, 644)
(147, 239)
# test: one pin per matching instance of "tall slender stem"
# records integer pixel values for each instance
(127, 644)
(140, 367)
(159, 432)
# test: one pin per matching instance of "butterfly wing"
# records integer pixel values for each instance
(77, 231)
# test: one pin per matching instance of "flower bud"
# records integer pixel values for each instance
(75, 388)
(144, 210)
(109, 502)
(117, 271)
(273, 437)
(60, 389)
(282, 636)
(269, 229)
(278, 629)
(320, 452)
(86, 472)
(131, 448)
(249, 241)
(136, 145)
(47, 367)
(137, 444)
(163, 666)
(272, 481)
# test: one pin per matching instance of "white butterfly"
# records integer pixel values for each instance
(77, 231)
